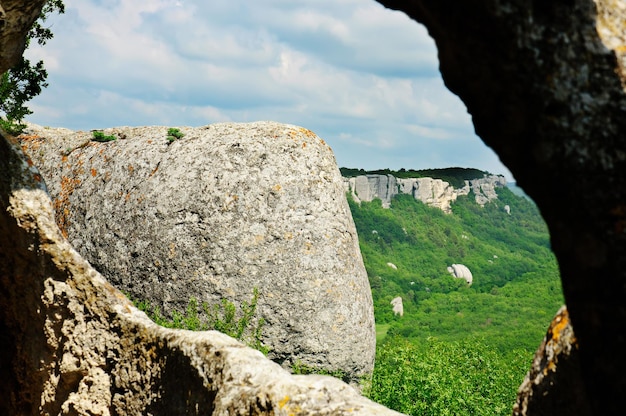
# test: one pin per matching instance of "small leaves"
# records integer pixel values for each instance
(99, 136)
(174, 134)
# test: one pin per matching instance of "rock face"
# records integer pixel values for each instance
(461, 271)
(434, 192)
(224, 210)
(556, 373)
(73, 344)
(544, 83)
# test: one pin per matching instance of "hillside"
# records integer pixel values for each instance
(478, 337)
(515, 290)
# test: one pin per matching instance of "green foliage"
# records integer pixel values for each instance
(516, 287)
(174, 134)
(99, 136)
(447, 378)
(458, 349)
(25, 81)
(244, 326)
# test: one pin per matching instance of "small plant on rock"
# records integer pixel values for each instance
(221, 317)
(99, 136)
(174, 134)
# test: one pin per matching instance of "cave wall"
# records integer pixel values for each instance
(544, 83)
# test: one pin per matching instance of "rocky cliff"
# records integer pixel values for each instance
(224, 210)
(434, 192)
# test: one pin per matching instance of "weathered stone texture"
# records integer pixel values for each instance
(555, 373)
(543, 81)
(73, 344)
(226, 209)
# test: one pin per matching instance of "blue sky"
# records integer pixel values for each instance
(363, 78)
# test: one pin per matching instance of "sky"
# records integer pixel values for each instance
(364, 78)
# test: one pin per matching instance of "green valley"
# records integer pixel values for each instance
(458, 348)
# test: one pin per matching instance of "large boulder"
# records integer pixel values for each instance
(226, 209)
(72, 344)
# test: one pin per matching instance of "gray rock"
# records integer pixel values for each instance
(370, 187)
(555, 373)
(72, 344)
(226, 209)
(461, 271)
(397, 306)
(433, 192)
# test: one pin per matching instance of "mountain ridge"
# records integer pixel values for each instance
(439, 190)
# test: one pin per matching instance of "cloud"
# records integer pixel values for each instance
(363, 77)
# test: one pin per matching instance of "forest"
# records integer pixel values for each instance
(458, 349)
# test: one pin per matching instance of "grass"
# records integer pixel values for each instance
(242, 325)
(381, 332)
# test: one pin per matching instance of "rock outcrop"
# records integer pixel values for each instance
(73, 344)
(433, 192)
(555, 373)
(544, 83)
(224, 210)
(461, 271)
(397, 306)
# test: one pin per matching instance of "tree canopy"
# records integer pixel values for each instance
(26, 80)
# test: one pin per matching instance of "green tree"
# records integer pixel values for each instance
(25, 81)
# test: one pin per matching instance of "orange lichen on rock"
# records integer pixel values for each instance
(62, 203)
(558, 349)
(559, 340)
(307, 132)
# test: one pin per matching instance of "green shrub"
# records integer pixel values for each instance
(174, 134)
(12, 127)
(244, 326)
(99, 136)
(447, 378)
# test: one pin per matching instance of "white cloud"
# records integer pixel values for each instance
(363, 77)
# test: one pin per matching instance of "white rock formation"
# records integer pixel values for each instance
(370, 187)
(433, 192)
(461, 271)
(398, 307)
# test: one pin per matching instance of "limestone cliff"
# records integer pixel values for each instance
(434, 192)
(226, 209)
